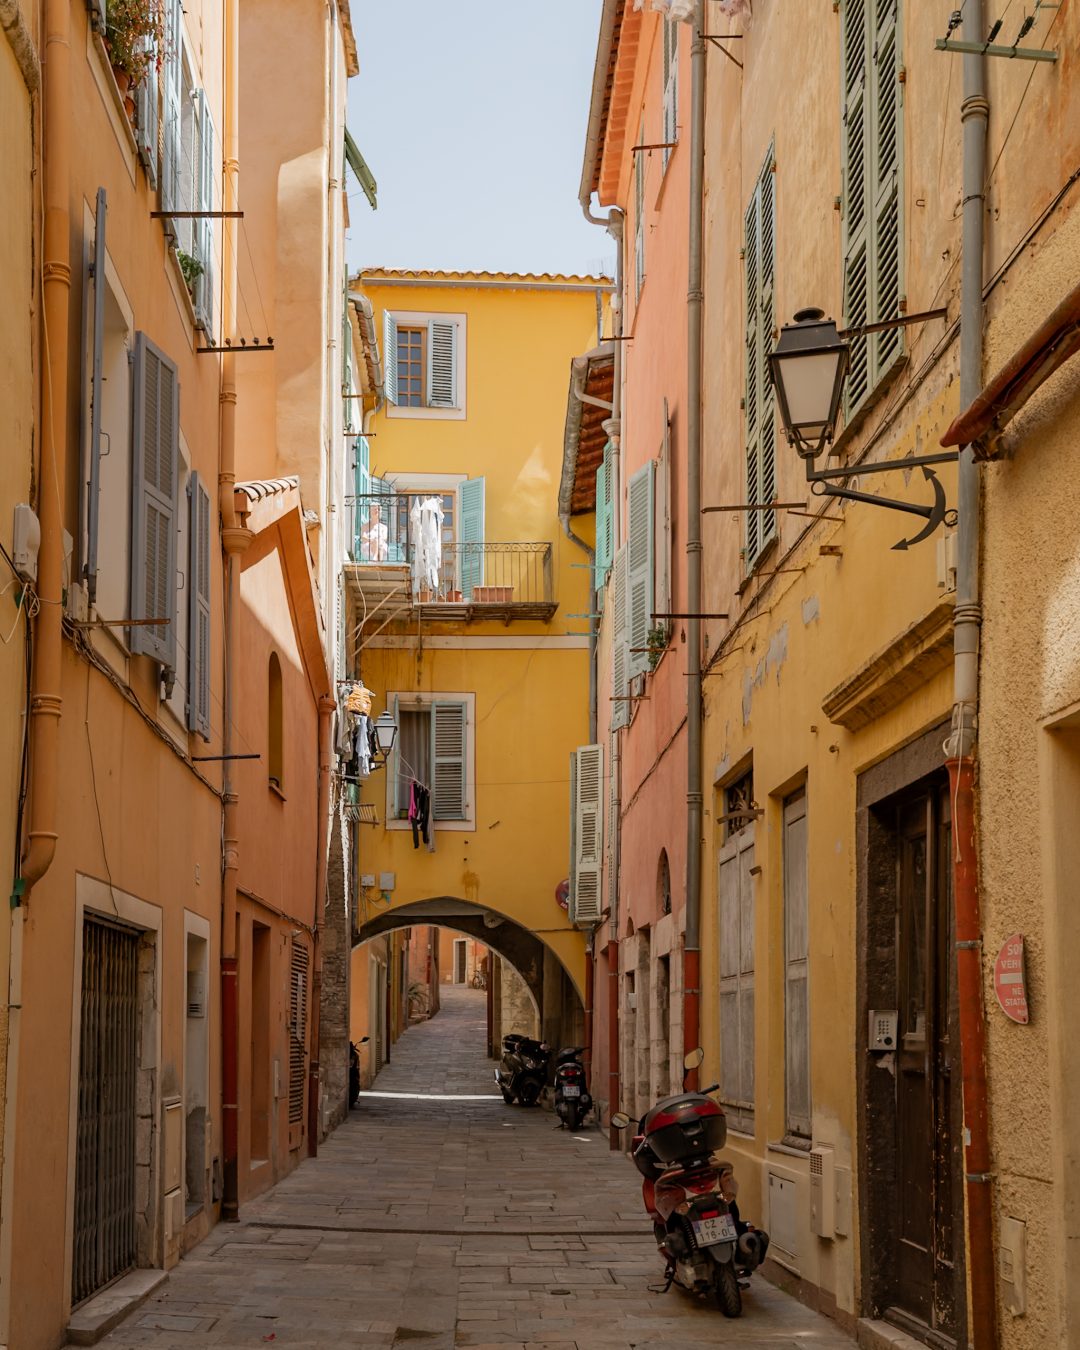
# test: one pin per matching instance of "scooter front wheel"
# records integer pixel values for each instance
(529, 1092)
(726, 1288)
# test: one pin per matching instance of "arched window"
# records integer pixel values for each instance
(275, 741)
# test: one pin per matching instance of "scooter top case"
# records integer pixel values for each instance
(679, 1129)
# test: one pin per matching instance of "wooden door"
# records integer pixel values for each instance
(929, 1204)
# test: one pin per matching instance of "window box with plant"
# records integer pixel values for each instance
(657, 642)
(135, 39)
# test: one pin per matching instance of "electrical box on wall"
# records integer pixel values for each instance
(25, 542)
(1012, 1265)
(822, 1193)
(387, 881)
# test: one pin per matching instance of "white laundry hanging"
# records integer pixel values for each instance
(425, 528)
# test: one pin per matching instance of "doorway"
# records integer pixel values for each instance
(911, 1130)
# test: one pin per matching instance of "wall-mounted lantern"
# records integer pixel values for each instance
(385, 734)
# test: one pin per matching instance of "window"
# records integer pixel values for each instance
(425, 364)
(796, 970)
(671, 85)
(586, 833)
(735, 894)
(759, 256)
(605, 519)
(872, 158)
(275, 725)
(434, 749)
(639, 215)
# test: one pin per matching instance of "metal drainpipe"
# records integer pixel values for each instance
(960, 749)
(694, 296)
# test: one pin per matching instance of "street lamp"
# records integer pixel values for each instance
(385, 734)
(808, 366)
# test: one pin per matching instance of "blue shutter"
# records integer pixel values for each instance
(203, 233)
(471, 534)
(390, 355)
(93, 487)
(361, 492)
(198, 656)
(448, 787)
(155, 452)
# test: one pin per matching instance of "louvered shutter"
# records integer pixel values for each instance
(198, 656)
(640, 567)
(885, 162)
(146, 115)
(671, 85)
(171, 98)
(662, 526)
(361, 493)
(573, 831)
(797, 969)
(155, 452)
(612, 834)
(448, 729)
(735, 984)
(93, 484)
(639, 216)
(599, 554)
(442, 375)
(589, 835)
(759, 267)
(471, 534)
(620, 708)
(203, 232)
(298, 1019)
(390, 337)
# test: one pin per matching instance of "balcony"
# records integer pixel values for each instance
(475, 580)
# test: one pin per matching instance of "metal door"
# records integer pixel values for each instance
(103, 1241)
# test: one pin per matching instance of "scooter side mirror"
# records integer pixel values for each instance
(694, 1059)
(620, 1120)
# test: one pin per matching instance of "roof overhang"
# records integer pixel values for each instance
(592, 377)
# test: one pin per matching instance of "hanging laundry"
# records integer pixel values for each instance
(362, 744)
(425, 532)
(358, 699)
(419, 810)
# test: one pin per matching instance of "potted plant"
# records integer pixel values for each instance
(135, 37)
(191, 268)
(657, 641)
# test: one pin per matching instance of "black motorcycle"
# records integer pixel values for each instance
(572, 1100)
(523, 1070)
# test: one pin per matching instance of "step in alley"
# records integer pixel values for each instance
(439, 1218)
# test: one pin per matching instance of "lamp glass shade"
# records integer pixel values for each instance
(808, 379)
(808, 366)
(385, 732)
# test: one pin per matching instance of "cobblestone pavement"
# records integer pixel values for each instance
(441, 1224)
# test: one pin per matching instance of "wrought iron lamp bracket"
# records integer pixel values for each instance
(823, 484)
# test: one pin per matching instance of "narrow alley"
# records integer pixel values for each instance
(437, 1217)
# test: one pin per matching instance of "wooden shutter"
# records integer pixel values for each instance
(885, 183)
(796, 970)
(298, 1019)
(171, 98)
(361, 493)
(448, 731)
(620, 708)
(471, 534)
(605, 520)
(671, 85)
(735, 894)
(146, 115)
(589, 836)
(640, 565)
(759, 261)
(93, 485)
(155, 453)
(203, 233)
(442, 372)
(198, 656)
(390, 356)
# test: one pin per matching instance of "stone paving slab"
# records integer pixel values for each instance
(449, 1221)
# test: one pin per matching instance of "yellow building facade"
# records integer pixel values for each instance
(482, 660)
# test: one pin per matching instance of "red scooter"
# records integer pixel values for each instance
(696, 1225)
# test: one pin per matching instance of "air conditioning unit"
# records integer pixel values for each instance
(822, 1193)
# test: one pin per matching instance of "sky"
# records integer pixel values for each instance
(472, 118)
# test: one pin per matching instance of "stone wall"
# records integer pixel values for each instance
(336, 944)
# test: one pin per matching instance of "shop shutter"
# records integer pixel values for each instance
(589, 836)
(154, 459)
(198, 662)
(146, 115)
(471, 534)
(171, 98)
(448, 731)
(203, 233)
(640, 565)
(442, 373)
(620, 708)
(390, 337)
(97, 356)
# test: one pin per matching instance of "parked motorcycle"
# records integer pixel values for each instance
(689, 1195)
(523, 1070)
(572, 1100)
(354, 1069)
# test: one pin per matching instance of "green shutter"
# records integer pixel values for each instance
(471, 534)
(448, 788)
(620, 708)
(361, 493)
(759, 263)
(605, 520)
(640, 566)
(887, 126)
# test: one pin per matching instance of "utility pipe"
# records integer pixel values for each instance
(327, 708)
(960, 749)
(235, 538)
(46, 702)
(694, 296)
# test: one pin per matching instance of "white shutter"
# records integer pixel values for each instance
(796, 970)
(154, 458)
(640, 568)
(448, 727)
(620, 708)
(203, 233)
(442, 364)
(390, 356)
(198, 665)
(735, 897)
(171, 90)
(671, 86)
(589, 835)
(146, 116)
(573, 831)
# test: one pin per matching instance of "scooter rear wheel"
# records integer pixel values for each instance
(728, 1294)
(508, 1096)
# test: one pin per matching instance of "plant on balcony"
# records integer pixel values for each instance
(135, 37)
(657, 642)
(191, 268)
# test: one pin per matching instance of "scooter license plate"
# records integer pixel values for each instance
(709, 1231)
(571, 1091)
